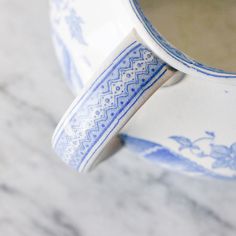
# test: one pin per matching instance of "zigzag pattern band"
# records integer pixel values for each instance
(95, 117)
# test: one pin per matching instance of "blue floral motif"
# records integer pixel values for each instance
(224, 156)
(184, 142)
(74, 22)
(160, 154)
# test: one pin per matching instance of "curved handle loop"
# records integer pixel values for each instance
(90, 123)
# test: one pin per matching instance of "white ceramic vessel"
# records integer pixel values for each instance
(114, 61)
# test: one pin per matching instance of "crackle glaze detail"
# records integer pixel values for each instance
(93, 118)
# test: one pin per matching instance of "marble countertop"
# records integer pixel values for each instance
(39, 195)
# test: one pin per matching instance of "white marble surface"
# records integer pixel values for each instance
(39, 195)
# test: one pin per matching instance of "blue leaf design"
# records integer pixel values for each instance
(183, 142)
(219, 151)
(74, 21)
(233, 148)
(211, 134)
(219, 163)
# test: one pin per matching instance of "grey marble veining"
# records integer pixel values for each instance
(40, 196)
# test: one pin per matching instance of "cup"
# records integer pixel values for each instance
(115, 60)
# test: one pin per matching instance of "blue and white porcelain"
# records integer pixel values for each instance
(114, 61)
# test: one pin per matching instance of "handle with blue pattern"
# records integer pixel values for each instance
(107, 105)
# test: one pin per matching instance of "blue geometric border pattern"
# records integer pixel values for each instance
(92, 119)
(162, 155)
(172, 51)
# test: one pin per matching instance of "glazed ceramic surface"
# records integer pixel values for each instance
(205, 30)
(114, 60)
